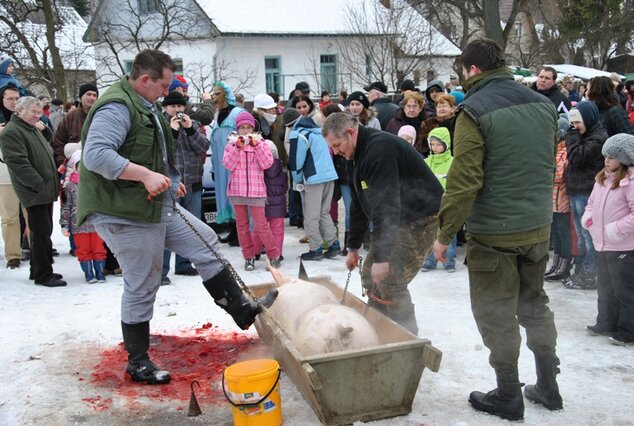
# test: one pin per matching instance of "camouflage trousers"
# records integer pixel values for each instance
(507, 290)
(412, 244)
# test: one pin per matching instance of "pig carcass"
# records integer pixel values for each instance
(314, 320)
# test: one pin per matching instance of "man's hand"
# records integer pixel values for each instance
(175, 123)
(352, 260)
(186, 121)
(155, 183)
(181, 190)
(40, 126)
(380, 271)
(440, 251)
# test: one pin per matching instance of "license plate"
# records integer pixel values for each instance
(210, 217)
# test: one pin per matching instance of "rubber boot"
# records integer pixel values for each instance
(546, 390)
(136, 339)
(505, 401)
(563, 271)
(229, 296)
(553, 266)
(232, 238)
(401, 310)
(86, 266)
(99, 274)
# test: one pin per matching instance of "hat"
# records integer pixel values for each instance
(87, 87)
(290, 116)
(75, 158)
(174, 98)
(407, 85)
(377, 85)
(562, 126)
(407, 130)
(70, 148)
(589, 114)
(458, 96)
(620, 147)
(178, 82)
(359, 97)
(245, 118)
(274, 151)
(442, 134)
(303, 87)
(263, 101)
(57, 102)
(5, 61)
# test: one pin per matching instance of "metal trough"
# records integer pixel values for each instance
(357, 385)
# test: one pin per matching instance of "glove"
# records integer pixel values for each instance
(240, 142)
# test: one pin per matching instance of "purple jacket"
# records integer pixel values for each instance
(609, 215)
(276, 180)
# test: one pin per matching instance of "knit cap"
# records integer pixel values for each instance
(174, 98)
(562, 126)
(245, 118)
(620, 147)
(178, 82)
(407, 130)
(88, 87)
(359, 97)
(290, 116)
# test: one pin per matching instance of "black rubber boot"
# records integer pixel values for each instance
(136, 339)
(506, 401)
(546, 390)
(232, 238)
(229, 296)
(553, 266)
(563, 271)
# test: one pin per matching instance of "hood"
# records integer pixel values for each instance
(441, 133)
(5, 61)
(433, 83)
(589, 112)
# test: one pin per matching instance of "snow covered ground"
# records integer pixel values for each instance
(52, 339)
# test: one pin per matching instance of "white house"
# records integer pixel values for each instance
(256, 46)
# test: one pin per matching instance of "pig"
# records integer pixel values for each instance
(315, 321)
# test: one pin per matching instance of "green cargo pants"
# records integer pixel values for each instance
(411, 245)
(507, 290)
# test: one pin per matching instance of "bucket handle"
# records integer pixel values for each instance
(250, 404)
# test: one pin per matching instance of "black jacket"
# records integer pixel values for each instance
(385, 111)
(555, 96)
(392, 186)
(584, 159)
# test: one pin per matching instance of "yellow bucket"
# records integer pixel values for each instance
(253, 388)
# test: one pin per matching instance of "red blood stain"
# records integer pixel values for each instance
(202, 356)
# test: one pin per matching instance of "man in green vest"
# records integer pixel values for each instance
(500, 184)
(128, 190)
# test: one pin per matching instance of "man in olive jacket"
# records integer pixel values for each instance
(33, 173)
(394, 188)
(500, 184)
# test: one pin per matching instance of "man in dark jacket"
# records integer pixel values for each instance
(27, 155)
(393, 188)
(509, 227)
(546, 85)
(377, 95)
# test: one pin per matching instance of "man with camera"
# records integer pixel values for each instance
(190, 150)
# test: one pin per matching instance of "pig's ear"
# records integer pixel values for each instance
(302, 275)
(277, 275)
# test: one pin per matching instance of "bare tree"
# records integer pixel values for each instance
(133, 25)
(30, 33)
(200, 76)
(388, 42)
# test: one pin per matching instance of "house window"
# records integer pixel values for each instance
(127, 66)
(149, 6)
(273, 72)
(368, 67)
(518, 29)
(328, 72)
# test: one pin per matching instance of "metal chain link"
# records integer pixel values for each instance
(345, 288)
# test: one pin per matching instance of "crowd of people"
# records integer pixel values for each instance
(414, 173)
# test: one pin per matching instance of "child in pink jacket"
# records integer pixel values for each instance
(609, 216)
(246, 156)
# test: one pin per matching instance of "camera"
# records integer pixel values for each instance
(180, 115)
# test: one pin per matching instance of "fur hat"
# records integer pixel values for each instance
(87, 87)
(563, 125)
(620, 147)
(70, 148)
(359, 97)
(245, 117)
(174, 98)
(290, 117)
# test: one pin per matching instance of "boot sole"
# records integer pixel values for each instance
(149, 381)
(548, 406)
(504, 416)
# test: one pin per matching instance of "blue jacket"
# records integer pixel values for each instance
(309, 160)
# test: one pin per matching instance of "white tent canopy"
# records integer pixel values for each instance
(584, 73)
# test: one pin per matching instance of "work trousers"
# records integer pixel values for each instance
(317, 220)
(40, 223)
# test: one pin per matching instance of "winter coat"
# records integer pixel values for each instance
(429, 110)
(427, 126)
(614, 120)
(276, 180)
(561, 102)
(400, 120)
(385, 111)
(609, 214)
(584, 159)
(439, 164)
(68, 215)
(29, 158)
(310, 161)
(247, 165)
(190, 153)
(561, 201)
(68, 131)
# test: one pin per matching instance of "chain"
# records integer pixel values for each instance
(345, 289)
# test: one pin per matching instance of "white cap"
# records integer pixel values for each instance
(263, 101)
(71, 147)
(74, 158)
